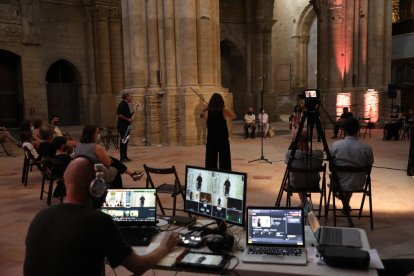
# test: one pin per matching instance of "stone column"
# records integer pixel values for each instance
(204, 45)
(116, 46)
(103, 67)
(170, 74)
(153, 45)
(186, 33)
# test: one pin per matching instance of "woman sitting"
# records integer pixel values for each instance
(393, 124)
(90, 148)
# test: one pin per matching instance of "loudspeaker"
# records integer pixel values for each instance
(220, 243)
(392, 91)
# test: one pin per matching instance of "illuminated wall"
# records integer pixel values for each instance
(343, 100)
(371, 103)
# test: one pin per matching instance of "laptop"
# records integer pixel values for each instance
(275, 235)
(326, 235)
(134, 210)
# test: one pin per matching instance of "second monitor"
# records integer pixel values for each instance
(220, 195)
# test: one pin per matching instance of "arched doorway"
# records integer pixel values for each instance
(233, 74)
(11, 111)
(63, 92)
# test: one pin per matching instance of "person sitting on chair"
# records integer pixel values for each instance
(354, 153)
(294, 120)
(304, 159)
(91, 236)
(89, 146)
(394, 124)
(249, 122)
(263, 122)
(340, 123)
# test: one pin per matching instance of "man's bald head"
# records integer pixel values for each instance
(78, 175)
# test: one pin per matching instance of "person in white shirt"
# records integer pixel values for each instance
(249, 122)
(263, 119)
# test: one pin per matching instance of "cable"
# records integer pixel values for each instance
(228, 271)
(388, 168)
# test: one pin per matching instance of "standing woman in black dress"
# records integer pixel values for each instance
(218, 154)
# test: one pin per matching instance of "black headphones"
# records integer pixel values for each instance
(220, 242)
(98, 187)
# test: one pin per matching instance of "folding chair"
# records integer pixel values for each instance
(173, 189)
(28, 162)
(113, 136)
(54, 169)
(364, 123)
(5, 149)
(336, 191)
(320, 189)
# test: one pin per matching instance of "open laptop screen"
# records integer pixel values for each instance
(277, 226)
(131, 207)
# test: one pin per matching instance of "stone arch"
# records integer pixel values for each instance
(302, 35)
(63, 95)
(233, 73)
(11, 92)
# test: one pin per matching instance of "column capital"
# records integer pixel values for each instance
(326, 5)
(115, 14)
(265, 25)
(100, 13)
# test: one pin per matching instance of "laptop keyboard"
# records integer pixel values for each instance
(278, 251)
(332, 235)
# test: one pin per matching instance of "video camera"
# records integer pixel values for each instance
(312, 98)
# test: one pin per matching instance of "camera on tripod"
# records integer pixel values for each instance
(312, 98)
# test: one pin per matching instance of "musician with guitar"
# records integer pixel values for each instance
(125, 117)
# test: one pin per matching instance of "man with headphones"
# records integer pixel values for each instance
(73, 238)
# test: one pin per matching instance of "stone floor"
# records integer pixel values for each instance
(392, 189)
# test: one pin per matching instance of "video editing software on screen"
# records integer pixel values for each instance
(268, 226)
(215, 194)
(131, 205)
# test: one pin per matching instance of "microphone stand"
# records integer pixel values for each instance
(261, 129)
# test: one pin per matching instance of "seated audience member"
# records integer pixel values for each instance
(60, 162)
(263, 122)
(409, 120)
(304, 159)
(5, 136)
(74, 238)
(27, 138)
(294, 120)
(46, 148)
(393, 124)
(89, 147)
(54, 123)
(354, 153)
(37, 125)
(340, 122)
(249, 122)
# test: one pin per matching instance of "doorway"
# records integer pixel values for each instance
(11, 111)
(63, 93)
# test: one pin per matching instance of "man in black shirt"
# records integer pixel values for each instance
(73, 238)
(124, 115)
(340, 123)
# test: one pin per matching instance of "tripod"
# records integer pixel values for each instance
(312, 116)
(261, 130)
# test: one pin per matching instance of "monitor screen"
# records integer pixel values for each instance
(216, 194)
(131, 207)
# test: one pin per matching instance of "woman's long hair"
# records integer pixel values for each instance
(87, 134)
(216, 103)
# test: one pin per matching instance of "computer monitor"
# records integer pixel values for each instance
(131, 207)
(220, 195)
